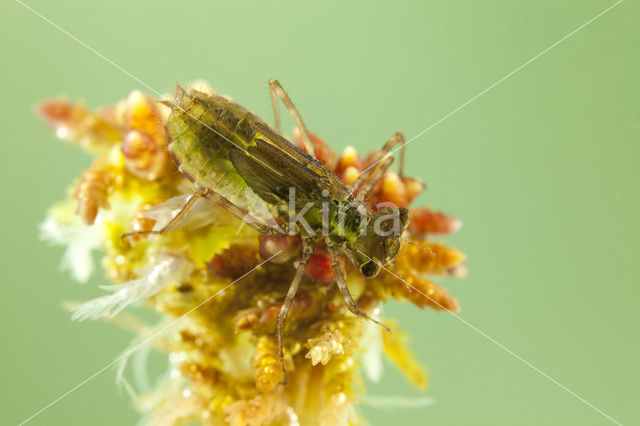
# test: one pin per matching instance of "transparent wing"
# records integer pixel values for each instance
(221, 146)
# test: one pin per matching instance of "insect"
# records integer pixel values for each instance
(237, 161)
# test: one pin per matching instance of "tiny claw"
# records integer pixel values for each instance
(284, 380)
(363, 314)
(380, 324)
(282, 367)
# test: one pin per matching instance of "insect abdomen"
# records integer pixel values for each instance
(204, 128)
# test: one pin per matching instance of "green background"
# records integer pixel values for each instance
(542, 169)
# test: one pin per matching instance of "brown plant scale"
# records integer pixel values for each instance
(223, 355)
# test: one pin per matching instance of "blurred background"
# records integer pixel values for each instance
(542, 169)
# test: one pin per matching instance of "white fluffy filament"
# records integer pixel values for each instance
(170, 269)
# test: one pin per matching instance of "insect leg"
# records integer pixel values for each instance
(344, 290)
(307, 251)
(241, 214)
(165, 229)
(374, 177)
(276, 110)
(394, 140)
(277, 89)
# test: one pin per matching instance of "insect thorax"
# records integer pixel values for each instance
(338, 221)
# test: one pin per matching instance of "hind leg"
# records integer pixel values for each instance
(278, 91)
(183, 211)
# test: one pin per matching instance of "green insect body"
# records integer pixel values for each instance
(226, 149)
(236, 160)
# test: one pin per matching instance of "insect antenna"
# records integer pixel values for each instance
(419, 246)
(395, 270)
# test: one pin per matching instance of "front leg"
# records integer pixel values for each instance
(344, 290)
(307, 251)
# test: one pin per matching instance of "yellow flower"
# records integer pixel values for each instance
(212, 270)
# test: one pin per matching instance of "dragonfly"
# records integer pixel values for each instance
(239, 162)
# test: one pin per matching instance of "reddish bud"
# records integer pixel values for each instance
(392, 190)
(235, 261)
(301, 303)
(414, 187)
(56, 113)
(319, 268)
(287, 246)
(74, 122)
(426, 221)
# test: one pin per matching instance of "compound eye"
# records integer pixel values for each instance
(370, 269)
